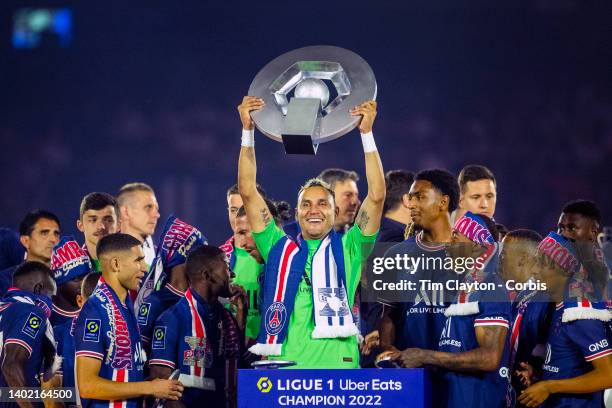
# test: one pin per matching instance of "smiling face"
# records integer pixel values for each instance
(316, 212)
(132, 267)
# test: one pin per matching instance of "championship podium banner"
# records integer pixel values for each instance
(388, 388)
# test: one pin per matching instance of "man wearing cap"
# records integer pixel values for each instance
(69, 264)
(578, 361)
(473, 349)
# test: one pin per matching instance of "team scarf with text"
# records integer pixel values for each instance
(582, 300)
(284, 271)
(69, 261)
(473, 227)
(177, 240)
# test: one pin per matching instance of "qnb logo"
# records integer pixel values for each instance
(264, 385)
(548, 354)
(602, 344)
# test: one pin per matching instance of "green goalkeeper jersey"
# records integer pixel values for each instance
(299, 346)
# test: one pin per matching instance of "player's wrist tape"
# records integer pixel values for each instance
(369, 145)
(248, 138)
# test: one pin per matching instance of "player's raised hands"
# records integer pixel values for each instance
(368, 112)
(248, 105)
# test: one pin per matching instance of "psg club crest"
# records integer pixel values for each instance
(276, 317)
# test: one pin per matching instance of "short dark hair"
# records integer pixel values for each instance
(26, 226)
(233, 189)
(199, 258)
(28, 269)
(444, 182)
(586, 208)
(333, 176)
(398, 183)
(116, 242)
(317, 182)
(97, 201)
(525, 234)
(89, 283)
(474, 172)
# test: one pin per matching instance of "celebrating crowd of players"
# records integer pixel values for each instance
(126, 322)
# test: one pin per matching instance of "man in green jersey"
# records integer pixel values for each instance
(310, 322)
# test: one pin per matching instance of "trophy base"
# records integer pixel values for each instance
(299, 144)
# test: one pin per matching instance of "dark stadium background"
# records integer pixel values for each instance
(148, 92)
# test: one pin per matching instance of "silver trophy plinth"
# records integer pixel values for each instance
(297, 87)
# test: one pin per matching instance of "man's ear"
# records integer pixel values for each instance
(25, 241)
(336, 210)
(124, 213)
(461, 201)
(38, 288)
(444, 202)
(80, 300)
(79, 225)
(114, 264)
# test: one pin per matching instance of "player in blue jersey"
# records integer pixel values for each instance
(109, 356)
(578, 361)
(473, 346)
(64, 333)
(27, 346)
(417, 320)
(199, 336)
(39, 232)
(531, 307)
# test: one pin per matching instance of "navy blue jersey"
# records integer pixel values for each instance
(421, 315)
(24, 324)
(152, 307)
(391, 230)
(64, 335)
(570, 348)
(486, 390)
(107, 330)
(188, 336)
(60, 316)
(531, 317)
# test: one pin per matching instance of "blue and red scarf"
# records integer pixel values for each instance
(284, 271)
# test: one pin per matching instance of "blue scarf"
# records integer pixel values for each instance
(284, 271)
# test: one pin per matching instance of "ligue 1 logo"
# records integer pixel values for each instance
(264, 385)
(275, 318)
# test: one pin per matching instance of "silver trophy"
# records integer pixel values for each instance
(308, 93)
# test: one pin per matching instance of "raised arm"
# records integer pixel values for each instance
(254, 204)
(371, 209)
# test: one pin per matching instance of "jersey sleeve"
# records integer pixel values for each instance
(164, 340)
(58, 334)
(357, 244)
(27, 327)
(266, 239)
(494, 306)
(591, 336)
(89, 333)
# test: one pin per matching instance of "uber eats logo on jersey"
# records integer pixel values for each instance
(264, 384)
(32, 325)
(92, 330)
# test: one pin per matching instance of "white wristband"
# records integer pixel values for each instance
(369, 145)
(248, 138)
